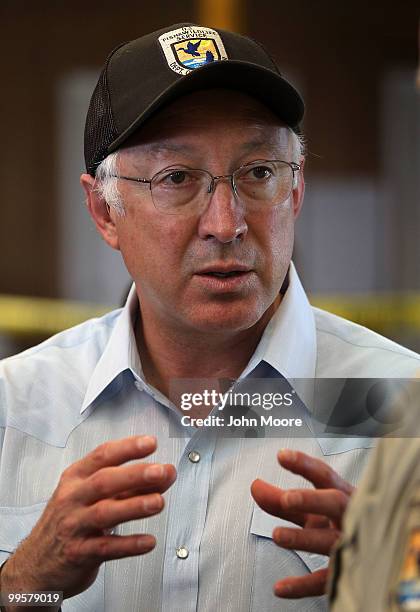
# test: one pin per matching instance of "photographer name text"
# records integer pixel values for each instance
(243, 421)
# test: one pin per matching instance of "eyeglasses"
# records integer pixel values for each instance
(259, 184)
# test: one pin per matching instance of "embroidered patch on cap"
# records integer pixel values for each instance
(191, 47)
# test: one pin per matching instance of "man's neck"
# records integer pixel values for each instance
(166, 354)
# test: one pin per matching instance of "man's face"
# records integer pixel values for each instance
(171, 257)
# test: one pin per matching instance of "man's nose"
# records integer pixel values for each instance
(224, 216)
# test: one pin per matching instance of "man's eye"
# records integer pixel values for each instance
(176, 177)
(259, 172)
(173, 178)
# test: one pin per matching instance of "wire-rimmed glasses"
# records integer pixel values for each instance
(258, 184)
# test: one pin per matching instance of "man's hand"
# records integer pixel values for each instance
(317, 511)
(72, 538)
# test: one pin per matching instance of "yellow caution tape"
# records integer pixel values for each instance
(379, 311)
(43, 317)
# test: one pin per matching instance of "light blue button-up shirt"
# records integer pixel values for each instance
(214, 549)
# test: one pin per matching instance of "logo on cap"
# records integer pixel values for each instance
(191, 47)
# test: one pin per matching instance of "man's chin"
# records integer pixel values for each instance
(229, 318)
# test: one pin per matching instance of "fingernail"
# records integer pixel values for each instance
(288, 454)
(152, 503)
(282, 590)
(277, 533)
(282, 535)
(145, 441)
(292, 499)
(153, 472)
(145, 542)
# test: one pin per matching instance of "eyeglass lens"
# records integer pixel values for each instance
(259, 184)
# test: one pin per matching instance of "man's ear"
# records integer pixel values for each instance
(100, 212)
(299, 189)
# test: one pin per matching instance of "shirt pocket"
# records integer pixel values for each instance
(15, 525)
(273, 563)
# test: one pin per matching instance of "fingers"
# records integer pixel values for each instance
(110, 481)
(71, 538)
(93, 551)
(326, 502)
(115, 452)
(310, 585)
(318, 511)
(107, 513)
(318, 522)
(316, 471)
(271, 499)
(318, 541)
(142, 491)
(296, 504)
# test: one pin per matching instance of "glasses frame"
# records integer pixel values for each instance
(213, 179)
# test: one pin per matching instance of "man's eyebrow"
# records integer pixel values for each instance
(171, 147)
(262, 142)
(165, 147)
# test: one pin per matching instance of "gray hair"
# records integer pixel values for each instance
(299, 146)
(106, 185)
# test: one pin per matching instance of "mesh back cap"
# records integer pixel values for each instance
(141, 76)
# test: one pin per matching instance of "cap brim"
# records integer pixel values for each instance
(261, 83)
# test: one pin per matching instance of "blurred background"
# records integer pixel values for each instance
(355, 63)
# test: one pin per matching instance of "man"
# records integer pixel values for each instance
(195, 173)
(377, 562)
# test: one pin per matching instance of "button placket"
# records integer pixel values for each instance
(186, 522)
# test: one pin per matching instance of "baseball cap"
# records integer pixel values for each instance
(141, 76)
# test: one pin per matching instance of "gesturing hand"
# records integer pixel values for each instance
(72, 538)
(317, 511)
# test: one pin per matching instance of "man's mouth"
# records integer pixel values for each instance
(224, 274)
(224, 277)
(224, 270)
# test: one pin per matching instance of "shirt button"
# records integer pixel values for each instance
(194, 456)
(139, 385)
(182, 552)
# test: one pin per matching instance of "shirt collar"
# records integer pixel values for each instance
(120, 353)
(288, 343)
